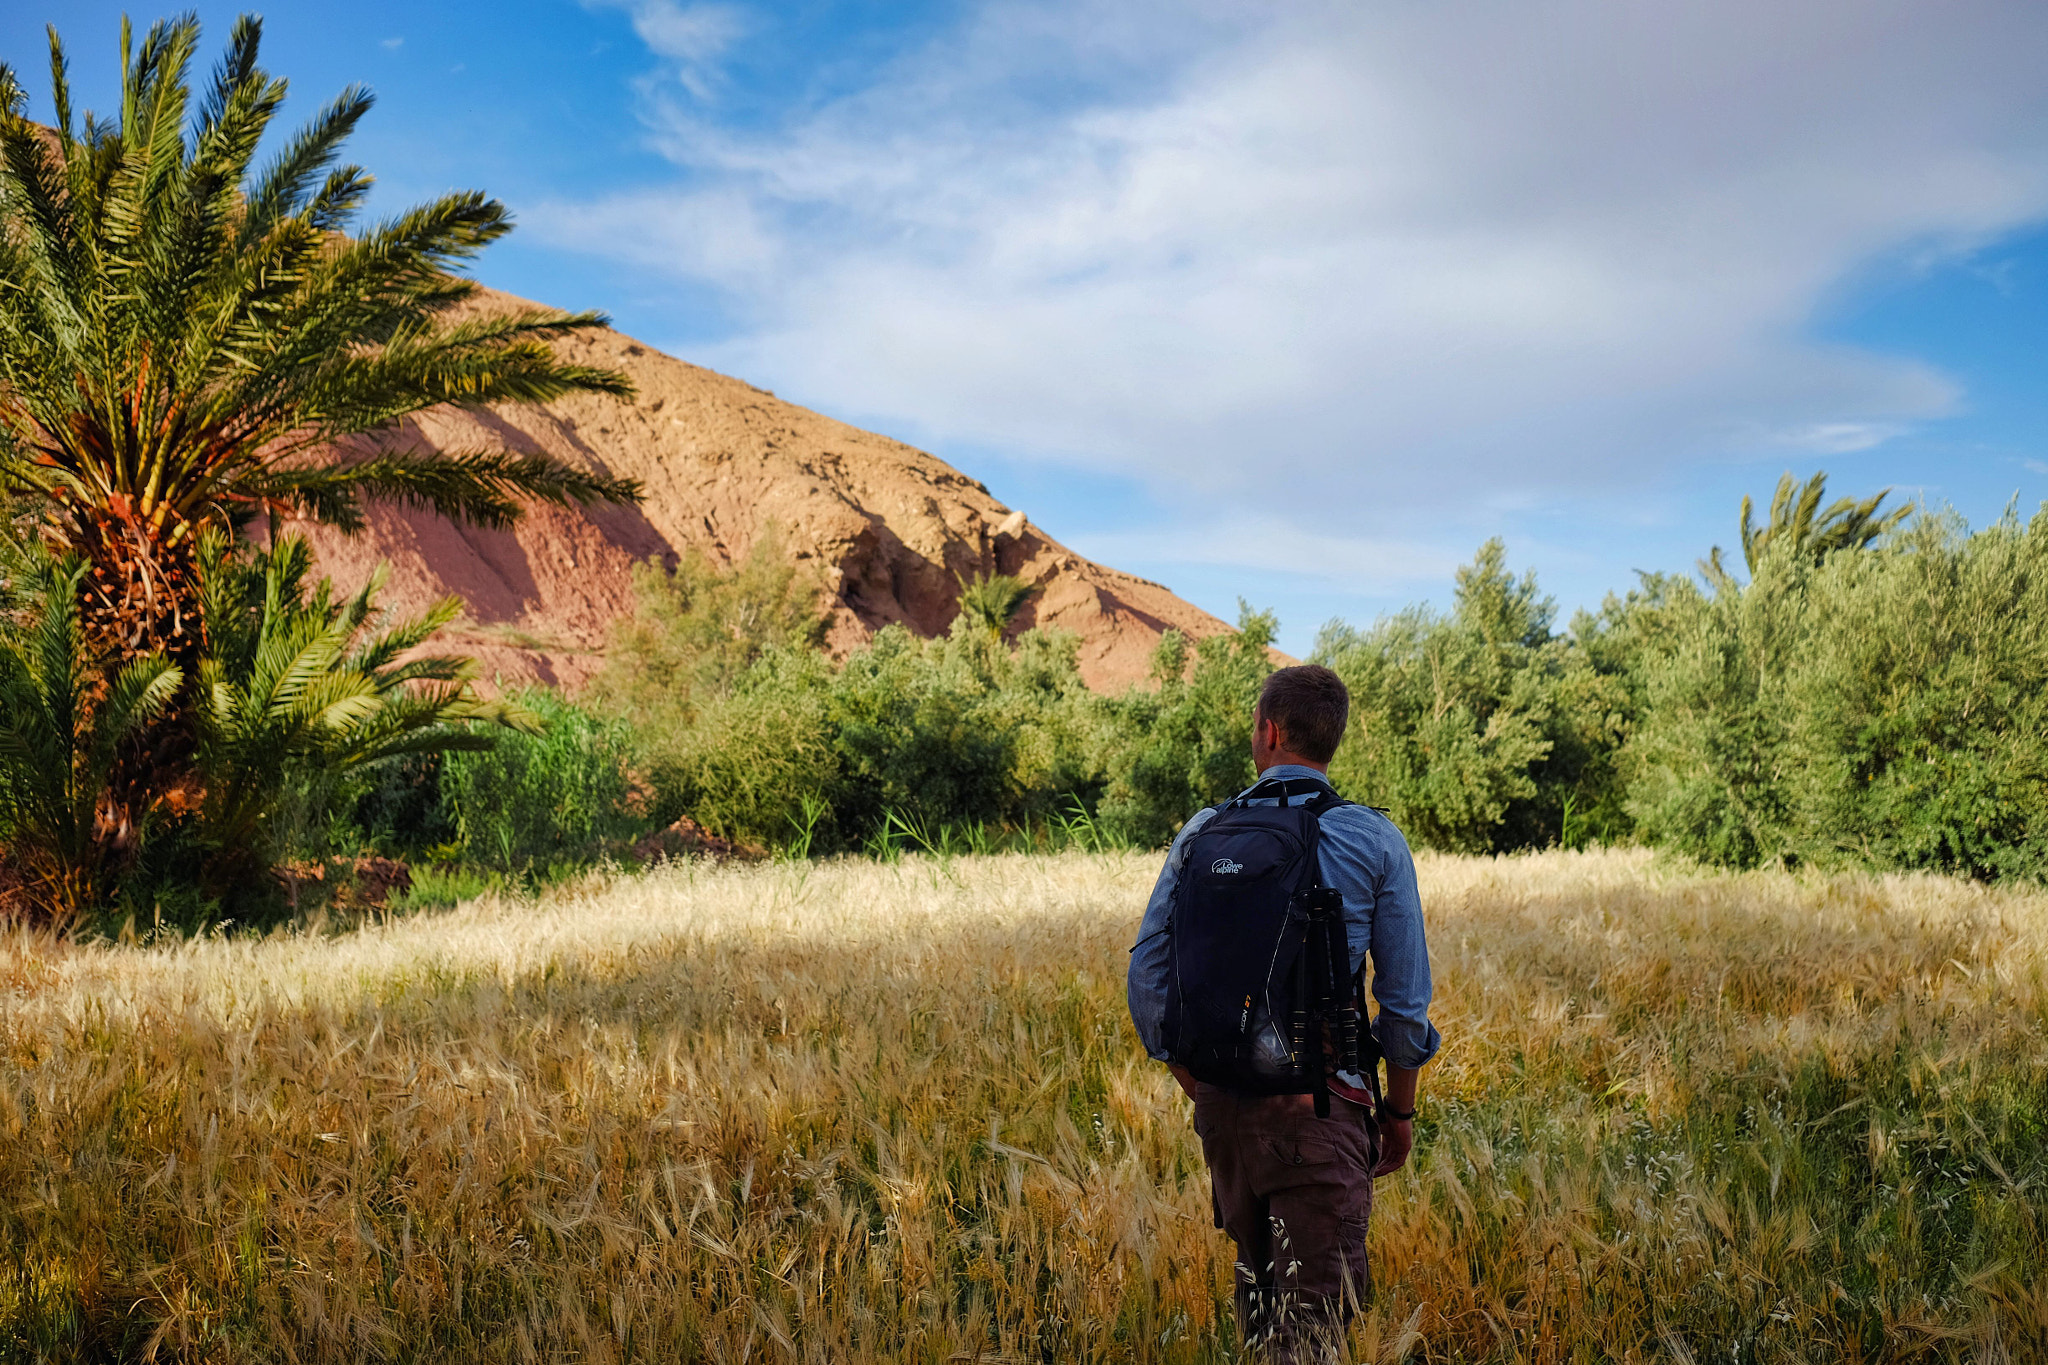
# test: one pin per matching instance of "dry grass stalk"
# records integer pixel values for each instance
(894, 1112)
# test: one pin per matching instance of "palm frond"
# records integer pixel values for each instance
(1798, 520)
(63, 724)
(237, 66)
(483, 487)
(282, 189)
(183, 321)
(322, 685)
(991, 601)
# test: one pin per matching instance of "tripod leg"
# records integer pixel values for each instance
(1299, 1018)
(1317, 952)
(1343, 1001)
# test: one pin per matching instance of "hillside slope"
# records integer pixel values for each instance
(888, 525)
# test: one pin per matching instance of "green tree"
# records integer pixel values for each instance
(695, 629)
(1887, 708)
(1171, 751)
(184, 336)
(1480, 729)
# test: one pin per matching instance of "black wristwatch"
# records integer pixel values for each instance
(1387, 1111)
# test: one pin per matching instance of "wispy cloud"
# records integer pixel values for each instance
(1351, 260)
(1840, 438)
(392, 44)
(691, 38)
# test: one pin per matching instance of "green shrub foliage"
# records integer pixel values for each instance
(1479, 730)
(1872, 695)
(956, 731)
(1875, 694)
(929, 738)
(1886, 707)
(695, 630)
(552, 796)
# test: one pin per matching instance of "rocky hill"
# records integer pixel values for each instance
(889, 526)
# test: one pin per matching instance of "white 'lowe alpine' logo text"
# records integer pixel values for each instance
(1225, 865)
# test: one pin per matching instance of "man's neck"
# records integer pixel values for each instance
(1293, 761)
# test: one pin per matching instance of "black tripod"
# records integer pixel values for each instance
(1325, 1017)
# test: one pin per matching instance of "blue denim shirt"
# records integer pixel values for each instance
(1366, 859)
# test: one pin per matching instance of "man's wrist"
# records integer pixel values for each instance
(1387, 1113)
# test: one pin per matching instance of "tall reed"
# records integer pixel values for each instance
(867, 1111)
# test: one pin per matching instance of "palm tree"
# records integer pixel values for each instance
(1796, 519)
(183, 335)
(991, 601)
(64, 722)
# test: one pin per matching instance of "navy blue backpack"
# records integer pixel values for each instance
(1259, 995)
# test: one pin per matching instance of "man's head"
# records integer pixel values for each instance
(1300, 717)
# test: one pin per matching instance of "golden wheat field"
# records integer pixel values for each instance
(862, 1111)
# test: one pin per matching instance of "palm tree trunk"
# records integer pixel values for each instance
(140, 598)
(142, 594)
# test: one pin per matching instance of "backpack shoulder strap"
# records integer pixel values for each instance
(1325, 801)
(1316, 793)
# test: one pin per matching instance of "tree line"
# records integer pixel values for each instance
(1872, 690)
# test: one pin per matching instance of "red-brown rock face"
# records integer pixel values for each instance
(721, 461)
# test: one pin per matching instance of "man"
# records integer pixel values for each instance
(1294, 1191)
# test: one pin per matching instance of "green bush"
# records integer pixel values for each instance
(756, 756)
(1873, 695)
(538, 803)
(956, 731)
(695, 629)
(1885, 707)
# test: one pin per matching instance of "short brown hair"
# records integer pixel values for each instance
(1311, 706)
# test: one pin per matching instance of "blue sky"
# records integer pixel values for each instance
(1295, 303)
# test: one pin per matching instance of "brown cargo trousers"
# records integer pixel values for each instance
(1295, 1194)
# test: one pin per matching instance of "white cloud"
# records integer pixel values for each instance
(1838, 438)
(391, 44)
(1362, 260)
(691, 38)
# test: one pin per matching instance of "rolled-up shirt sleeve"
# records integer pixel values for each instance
(1146, 985)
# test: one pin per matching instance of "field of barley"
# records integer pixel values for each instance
(862, 1111)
